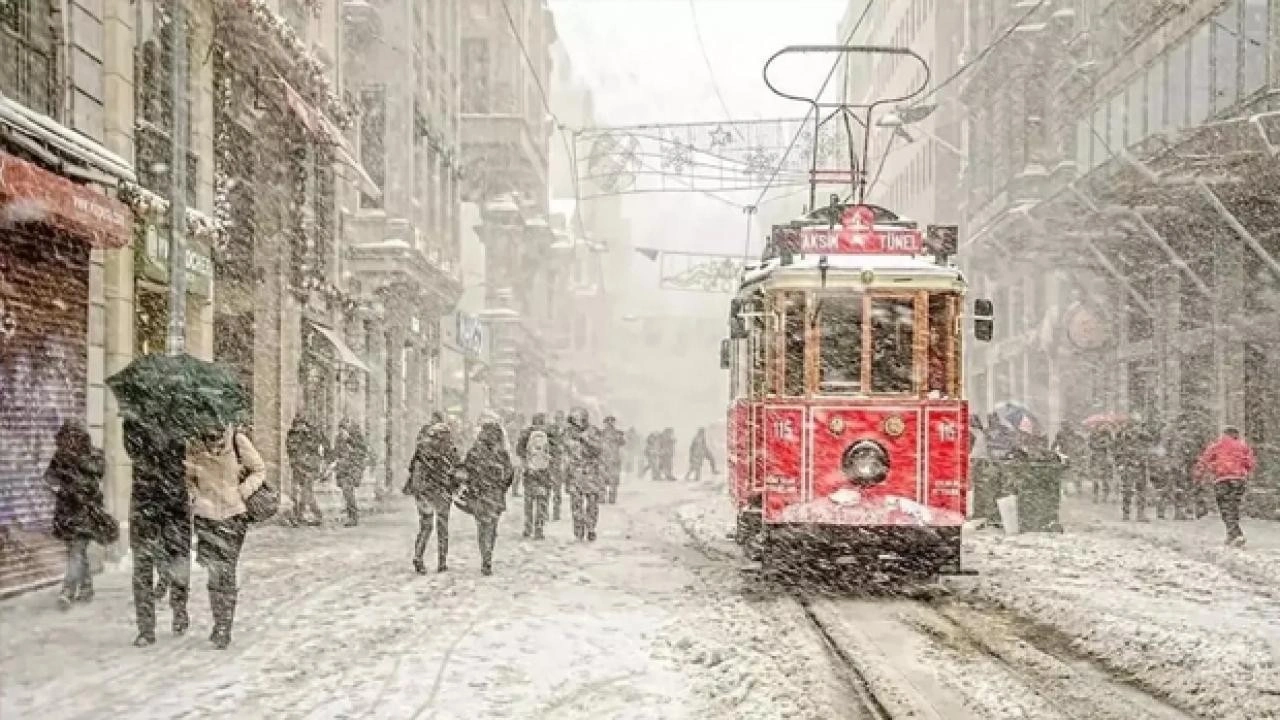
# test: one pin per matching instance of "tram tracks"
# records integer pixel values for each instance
(941, 657)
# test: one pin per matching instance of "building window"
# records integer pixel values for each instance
(1156, 80)
(1176, 97)
(1256, 23)
(476, 73)
(1137, 115)
(1201, 77)
(1226, 57)
(373, 134)
(28, 54)
(1115, 128)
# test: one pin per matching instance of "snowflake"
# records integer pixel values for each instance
(760, 163)
(677, 156)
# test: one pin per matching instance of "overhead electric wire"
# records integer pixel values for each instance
(830, 74)
(711, 73)
(546, 104)
(982, 54)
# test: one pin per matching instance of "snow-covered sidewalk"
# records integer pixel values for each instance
(333, 623)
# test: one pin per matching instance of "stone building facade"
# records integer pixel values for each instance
(1120, 208)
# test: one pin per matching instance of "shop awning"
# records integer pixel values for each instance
(31, 194)
(318, 125)
(64, 141)
(345, 354)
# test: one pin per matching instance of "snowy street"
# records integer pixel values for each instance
(333, 623)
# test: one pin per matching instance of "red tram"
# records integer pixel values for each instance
(848, 428)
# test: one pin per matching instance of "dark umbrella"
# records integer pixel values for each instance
(181, 393)
(1018, 417)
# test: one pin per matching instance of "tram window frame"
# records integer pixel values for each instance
(942, 344)
(871, 356)
(759, 348)
(791, 365)
(820, 335)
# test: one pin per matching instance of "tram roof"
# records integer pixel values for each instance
(847, 271)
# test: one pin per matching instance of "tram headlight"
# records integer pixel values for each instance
(865, 463)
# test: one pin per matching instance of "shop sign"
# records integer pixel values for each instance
(29, 193)
(470, 334)
(155, 262)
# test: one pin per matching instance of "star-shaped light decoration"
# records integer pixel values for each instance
(720, 137)
(676, 156)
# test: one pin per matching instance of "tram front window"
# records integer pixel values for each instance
(840, 323)
(892, 344)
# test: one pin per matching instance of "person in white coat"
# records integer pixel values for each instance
(223, 469)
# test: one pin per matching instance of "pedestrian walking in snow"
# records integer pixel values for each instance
(223, 470)
(559, 471)
(74, 476)
(583, 450)
(1227, 463)
(534, 450)
(632, 451)
(433, 481)
(1131, 460)
(611, 445)
(1069, 445)
(700, 453)
(512, 431)
(667, 454)
(1101, 443)
(488, 475)
(352, 457)
(651, 460)
(159, 525)
(1188, 438)
(308, 451)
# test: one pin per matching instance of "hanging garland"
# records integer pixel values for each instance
(267, 21)
(150, 208)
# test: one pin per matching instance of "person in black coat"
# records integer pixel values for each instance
(159, 525)
(433, 480)
(587, 484)
(351, 457)
(308, 452)
(558, 468)
(534, 450)
(75, 477)
(489, 474)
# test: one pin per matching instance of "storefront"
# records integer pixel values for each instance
(48, 225)
(151, 291)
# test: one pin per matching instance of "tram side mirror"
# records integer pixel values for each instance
(737, 325)
(984, 320)
(724, 354)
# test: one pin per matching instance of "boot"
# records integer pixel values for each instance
(223, 605)
(85, 594)
(419, 566)
(144, 639)
(65, 599)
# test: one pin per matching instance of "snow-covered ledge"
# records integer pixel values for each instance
(150, 207)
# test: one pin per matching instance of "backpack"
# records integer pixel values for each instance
(538, 450)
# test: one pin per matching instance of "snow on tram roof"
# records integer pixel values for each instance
(899, 268)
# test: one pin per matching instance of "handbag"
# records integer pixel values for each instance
(105, 529)
(263, 503)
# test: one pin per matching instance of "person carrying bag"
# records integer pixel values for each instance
(227, 482)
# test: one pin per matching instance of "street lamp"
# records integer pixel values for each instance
(900, 118)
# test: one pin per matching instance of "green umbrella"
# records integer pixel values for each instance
(180, 393)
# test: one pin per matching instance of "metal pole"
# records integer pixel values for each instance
(178, 184)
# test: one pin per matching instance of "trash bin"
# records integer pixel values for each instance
(988, 481)
(1039, 489)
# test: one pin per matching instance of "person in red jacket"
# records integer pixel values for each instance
(1227, 462)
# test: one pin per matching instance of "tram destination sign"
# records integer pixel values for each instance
(857, 234)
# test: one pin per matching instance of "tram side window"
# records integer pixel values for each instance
(892, 350)
(942, 348)
(840, 325)
(759, 363)
(793, 337)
